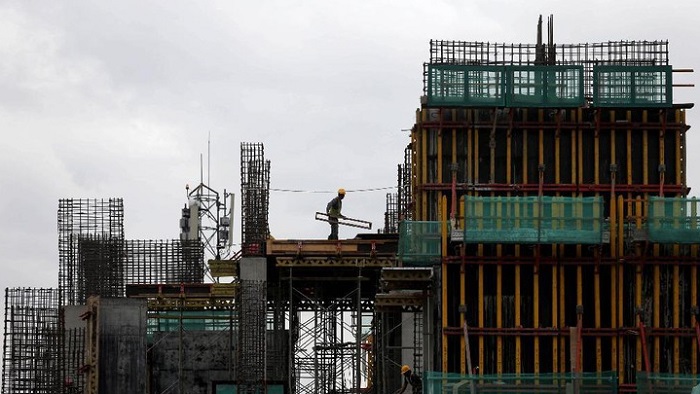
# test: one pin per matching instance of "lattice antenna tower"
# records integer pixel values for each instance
(207, 216)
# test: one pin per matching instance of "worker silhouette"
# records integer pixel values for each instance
(333, 210)
(410, 378)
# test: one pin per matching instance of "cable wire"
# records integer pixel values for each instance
(374, 189)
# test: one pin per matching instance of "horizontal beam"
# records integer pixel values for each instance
(322, 247)
(574, 261)
(336, 262)
(563, 332)
(534, 188)
(584, 126)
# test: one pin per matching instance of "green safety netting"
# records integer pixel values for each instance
(419, 242)
(632, 86)
(466, 85)
(673, 220)
(505, 86)
(545, 86)
(564, 383)
(538, 220)
(206, 320)
(667, 383)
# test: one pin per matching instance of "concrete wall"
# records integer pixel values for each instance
(122, 346)
(72, 317)
(206, 359)
(253, 268)
(206, 356)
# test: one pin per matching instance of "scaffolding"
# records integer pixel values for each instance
(330, 318)
(255, 198)
(326, 351)
(32, 341)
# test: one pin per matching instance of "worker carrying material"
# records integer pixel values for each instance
(410, 378)
(334, 216)
(333, 209)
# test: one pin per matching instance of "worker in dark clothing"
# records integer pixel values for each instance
(333, 210)
(410, 378)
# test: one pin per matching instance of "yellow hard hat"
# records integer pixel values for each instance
(404, 369)
(341, 191)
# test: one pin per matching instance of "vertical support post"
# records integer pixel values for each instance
(291, 350)
(453, 168)
(423, 215)
(509, 149)
(518, 350)
(469, 156)
(443, 275)
(695, 310)
(579, 338)
(643, 337)
(463, 301)
(358, 337)
(562, 316)
(676, 315)
(470, 372)
(481, 317)
(638, 277)
(657, 314)
(492, 148)
(499, 318)
(662, 152)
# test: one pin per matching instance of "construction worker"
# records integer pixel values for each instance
(410, 378)
(333, 210)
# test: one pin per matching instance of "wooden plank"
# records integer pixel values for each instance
(277, 247)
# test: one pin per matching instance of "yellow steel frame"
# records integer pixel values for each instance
(622, 206)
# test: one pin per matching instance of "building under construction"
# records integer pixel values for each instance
(541, 239)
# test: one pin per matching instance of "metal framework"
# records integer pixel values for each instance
(519, 297)
(213, 221)
(73, 360)
(163, 261)
(82, 223)
(32, 341)
(327, 292)
(330, 342)
(618, 53)
(391, 216)
(251, 346)
(107, 265)
(405, 185)
(255, 199)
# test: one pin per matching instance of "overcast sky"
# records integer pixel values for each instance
(118, 99)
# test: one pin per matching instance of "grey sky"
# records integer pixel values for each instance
(117, 99)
